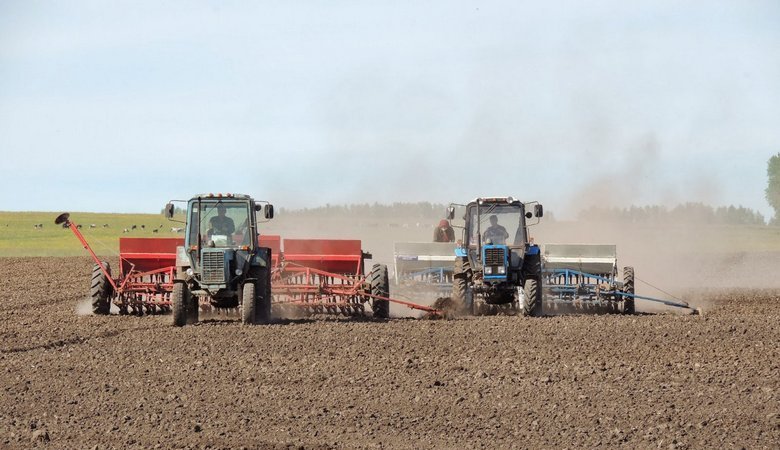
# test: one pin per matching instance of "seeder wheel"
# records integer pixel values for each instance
(380, 286)
(101, 290)
(629, 288)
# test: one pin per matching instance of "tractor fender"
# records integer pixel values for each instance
(262, 257)
(532, 263)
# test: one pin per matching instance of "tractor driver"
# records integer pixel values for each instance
(495, 234)
(221, 224)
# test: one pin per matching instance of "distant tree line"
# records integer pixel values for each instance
(424, 211)
(697, 213)
(419, 210)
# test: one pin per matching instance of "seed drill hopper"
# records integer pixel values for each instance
(424, 268)
(329, 276)
(585, 277)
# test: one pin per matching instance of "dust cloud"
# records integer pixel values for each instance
(671, 260)
(84, 307)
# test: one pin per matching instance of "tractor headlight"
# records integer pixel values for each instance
(239, 272)
(501, 270)
(488, 270)
(190, 273)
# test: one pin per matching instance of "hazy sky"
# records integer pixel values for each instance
(120, 106)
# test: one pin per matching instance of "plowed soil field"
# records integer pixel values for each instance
(645, 381)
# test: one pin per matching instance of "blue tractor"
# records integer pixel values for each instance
(498, 268)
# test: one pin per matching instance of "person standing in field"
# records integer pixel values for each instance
(444, 232)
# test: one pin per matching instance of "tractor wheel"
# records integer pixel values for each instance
(193, 307)
(380, 286)
(629, 288)
(249, 303)
(532, 292)
(180, 301)
(479, 307)
(101, 290)
(264, 303)
(461, 277)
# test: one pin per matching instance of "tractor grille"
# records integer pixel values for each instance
(494, 256)
(213, 265)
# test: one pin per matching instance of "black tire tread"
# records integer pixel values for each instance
(179, 304)
(380, 286)
(249, 303)
(532, 291)
(629, 287)
(460, 279)
(100, 290)
(263, 313)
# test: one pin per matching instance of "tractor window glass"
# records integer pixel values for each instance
(223, 224)
(498, 224)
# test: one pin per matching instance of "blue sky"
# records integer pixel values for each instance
(120, 106)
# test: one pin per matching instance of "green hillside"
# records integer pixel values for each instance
(19, 237)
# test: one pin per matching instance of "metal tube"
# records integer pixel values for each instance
(74, 229)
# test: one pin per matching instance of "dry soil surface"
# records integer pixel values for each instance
(648, 381)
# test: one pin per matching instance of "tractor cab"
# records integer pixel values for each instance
(495, 237)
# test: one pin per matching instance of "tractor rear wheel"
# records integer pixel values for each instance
(629, 306)
(532, 293)
(180, 302)
(249, 303)
(380, 286)
(264, 303)
(101, 290)
(461, 277)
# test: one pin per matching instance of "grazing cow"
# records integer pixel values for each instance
(125, 230)
(134, 227)
(78, 227)
(105, 225)
(143, 227)
(92, 225)
(155, 230)
(176, 230)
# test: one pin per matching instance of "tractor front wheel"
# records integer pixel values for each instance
(532, 293)
(180, 302)
(380, 286)
(101, 290)
(249, 303)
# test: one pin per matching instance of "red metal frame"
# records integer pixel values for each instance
(325, 276)
(317, 275)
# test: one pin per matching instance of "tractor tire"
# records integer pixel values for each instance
(380, 286)
(532, 292)
(264, 303)
(180, 302)
(249, 303)
(193, 306)
(101, 290)
(479, 307)
(629, 287)
(461, 277)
